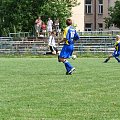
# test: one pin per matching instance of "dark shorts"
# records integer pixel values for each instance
(52, 48)
(116, 53)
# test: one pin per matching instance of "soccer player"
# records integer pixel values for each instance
(69, 36)
(52, 44)
(116, 52)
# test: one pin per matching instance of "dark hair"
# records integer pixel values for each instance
(69, 22)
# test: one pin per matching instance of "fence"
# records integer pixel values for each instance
(95, 44)
(38, 45)
(100, 33)
(84, 33)
(20, 34)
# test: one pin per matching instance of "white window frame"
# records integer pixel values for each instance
(87, 7)
(100, 8)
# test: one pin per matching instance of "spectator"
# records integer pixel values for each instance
(49, 25)
(57, 27)
(38, 24)
(44, 29)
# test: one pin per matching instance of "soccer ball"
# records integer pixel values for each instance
(74, 57)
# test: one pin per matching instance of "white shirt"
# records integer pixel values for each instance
(49, 23)
(51, 41)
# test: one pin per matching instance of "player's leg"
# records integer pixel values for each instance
(68, 66)
(66, 52)
(55, 48)
(106, 60)
(117, 56)
(110, 56)
(117, 59)
(51, 50)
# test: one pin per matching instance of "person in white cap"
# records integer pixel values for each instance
(116, 52)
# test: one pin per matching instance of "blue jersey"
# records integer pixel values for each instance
(70, 35)
(116, 52)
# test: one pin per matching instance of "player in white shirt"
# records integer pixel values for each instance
(52, 44)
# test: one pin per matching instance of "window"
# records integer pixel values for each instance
(88, 6)
(100, 11)
(100, 1)
(88, 27)
(100, 26)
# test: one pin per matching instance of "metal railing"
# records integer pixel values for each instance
(100, 33)
(20, 34)
(84, 33)
(86, 44)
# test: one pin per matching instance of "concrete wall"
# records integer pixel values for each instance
(78, 15)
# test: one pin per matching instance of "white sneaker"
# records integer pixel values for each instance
(71, 71)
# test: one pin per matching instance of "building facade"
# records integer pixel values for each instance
(78, 16)
(90, 14)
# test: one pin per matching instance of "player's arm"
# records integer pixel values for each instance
(61, 41)
(76, 36)
(115, 45)
(64, 37)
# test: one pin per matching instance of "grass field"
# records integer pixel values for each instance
(38, 89)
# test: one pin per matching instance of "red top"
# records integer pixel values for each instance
(43, 27)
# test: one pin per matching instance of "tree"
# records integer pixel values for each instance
(114, 16)
(20, 15)
(58, 9)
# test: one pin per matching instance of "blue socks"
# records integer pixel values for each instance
(68, 66)
(117, 59)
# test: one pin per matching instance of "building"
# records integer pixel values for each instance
(78, 16)
(90, 14)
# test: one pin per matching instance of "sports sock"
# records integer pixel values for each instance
(68, 66)
(58, 58)
(117, 59)
(106, 60)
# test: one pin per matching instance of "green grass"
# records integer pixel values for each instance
(38, 89)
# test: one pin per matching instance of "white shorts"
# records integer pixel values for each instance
(49, 29)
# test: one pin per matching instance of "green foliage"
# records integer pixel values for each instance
(114, 13)
(20, 15)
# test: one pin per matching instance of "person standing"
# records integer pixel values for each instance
(116, 52)
(57, 27)
(44, 29)
(38, 24)
(69, 37)
(49, 25)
